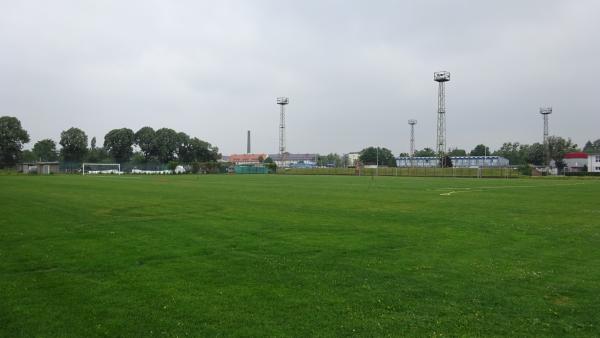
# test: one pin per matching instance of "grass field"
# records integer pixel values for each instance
(276, 255)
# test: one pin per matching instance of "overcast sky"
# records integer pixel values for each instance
(355, 71)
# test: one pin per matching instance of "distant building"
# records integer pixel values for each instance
(352, 158)
(248, 159)
(41, 168)
(593, 163)
(295, 160)
(575, 162)
(457, 161)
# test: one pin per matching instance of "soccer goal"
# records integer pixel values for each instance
(101, 168)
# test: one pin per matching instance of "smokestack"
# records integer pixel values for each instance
(248, 149)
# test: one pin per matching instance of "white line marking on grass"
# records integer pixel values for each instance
(503, 187)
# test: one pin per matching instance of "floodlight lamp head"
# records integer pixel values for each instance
(441, 76)
(546, 110)
(412, 122)
(283, 100)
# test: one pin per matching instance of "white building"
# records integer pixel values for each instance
(352, 158)
(593, 163)
(576, 161)
(295, 160)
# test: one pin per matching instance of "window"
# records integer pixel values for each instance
(597, 158)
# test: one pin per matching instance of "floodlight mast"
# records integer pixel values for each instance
(282, 101)
(441, 78)
(412, 123)
(546, 111)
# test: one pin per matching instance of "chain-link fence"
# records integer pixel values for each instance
(132, 167)
(498, 172)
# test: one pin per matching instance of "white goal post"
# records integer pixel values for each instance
(101, 168)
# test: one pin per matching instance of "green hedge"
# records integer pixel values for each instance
(584, 173)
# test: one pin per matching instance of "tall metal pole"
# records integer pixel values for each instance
(412, 140)
(441, 78)
(546, 111)
(441, 120)
(282, 101)
(282, 130)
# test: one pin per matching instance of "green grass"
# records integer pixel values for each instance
(276, 255)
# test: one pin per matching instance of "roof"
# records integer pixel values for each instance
(295, 157)
(246, 157)
(576, 155)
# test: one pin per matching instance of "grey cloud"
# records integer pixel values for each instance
(355, 71)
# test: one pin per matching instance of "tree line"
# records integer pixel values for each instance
(120, 145)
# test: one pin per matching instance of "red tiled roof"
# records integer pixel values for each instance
(576, 155)
(246, 157)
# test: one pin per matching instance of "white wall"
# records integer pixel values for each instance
(594, 163)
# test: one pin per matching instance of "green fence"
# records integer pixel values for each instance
(246, 169)
(407, 172)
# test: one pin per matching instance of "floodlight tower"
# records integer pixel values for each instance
(546, 111)
(441, 78)
(412, 136)
(282, 101)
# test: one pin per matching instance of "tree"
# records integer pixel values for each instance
(12, 138)
(446, 162)
(74, 144)
(202, 151)
(45, 150)
(378, 156)
(183, 150)
(28, 156)
(118, 143)
(515, 153)
(98, 155)
(93, 143)
(144, 138)
(592, 147)
(165, 144)
(535, 154)
(427, 152)
(480, 150)
(457, 152)
(332, 160)
(558, 147)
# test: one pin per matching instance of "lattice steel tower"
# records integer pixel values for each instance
(412, 136)
(282, 101)
(441, 78)
(546, 111)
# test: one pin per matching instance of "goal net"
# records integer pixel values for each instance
(101, 169)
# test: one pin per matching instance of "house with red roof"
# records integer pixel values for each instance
(576, 162)
(241, 159)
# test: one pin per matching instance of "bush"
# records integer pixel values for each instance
(195, 167)
(272, 167)
(583, 173)
(172, 165)
(525, 170)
